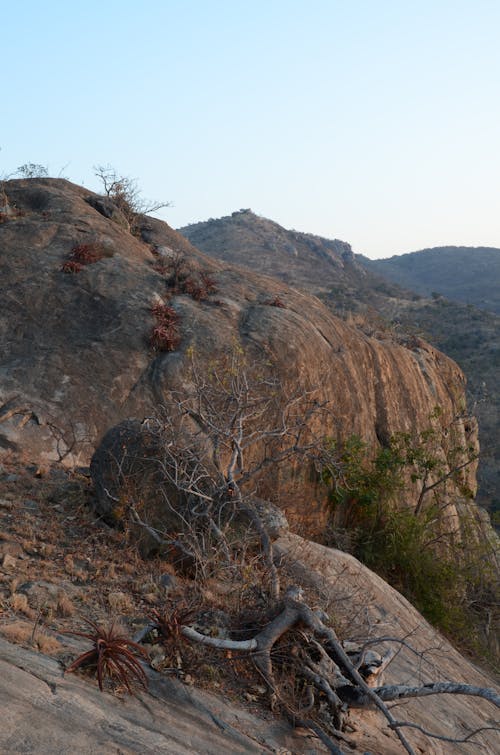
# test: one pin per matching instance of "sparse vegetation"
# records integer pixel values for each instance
(85, 254)
(439, 569)
(165, 334)
(304, 662)
(182, 278)
(126, 195)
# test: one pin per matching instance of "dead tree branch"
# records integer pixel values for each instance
(335, 675)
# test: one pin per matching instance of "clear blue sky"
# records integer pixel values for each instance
(373, 121)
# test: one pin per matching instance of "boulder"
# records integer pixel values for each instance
(127, 475)
(106, 207)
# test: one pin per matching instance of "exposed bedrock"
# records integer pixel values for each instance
(77, 356)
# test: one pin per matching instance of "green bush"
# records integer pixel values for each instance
(446, 581)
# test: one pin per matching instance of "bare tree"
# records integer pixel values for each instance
(214, 443)
(126, 194)
(336, 675)
(32, 170)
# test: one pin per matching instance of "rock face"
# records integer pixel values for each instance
(353, 287)
(68, 714)
(47, 712)
(76, 346)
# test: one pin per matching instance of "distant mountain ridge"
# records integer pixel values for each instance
(466, 274)
(245, 238)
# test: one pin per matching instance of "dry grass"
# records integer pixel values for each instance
(120, 602)
(19, 604)
(101, 578)
(65, 606)
(19, 632)
(47, 644)
(24, 633)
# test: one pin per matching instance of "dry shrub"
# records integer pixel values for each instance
(64, 605)
(120, 602)
(19, 602)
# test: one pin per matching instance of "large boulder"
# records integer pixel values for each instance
(130, 485)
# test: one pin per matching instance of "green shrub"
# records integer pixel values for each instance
(448, 582)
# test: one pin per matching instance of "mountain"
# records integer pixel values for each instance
(465, 274)
(355, 289)
(299, 259)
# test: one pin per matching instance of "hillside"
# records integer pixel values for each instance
(354, 289)
(78, 349)
(298, 259)
(61, 565)
(464, 274)
(174, 429)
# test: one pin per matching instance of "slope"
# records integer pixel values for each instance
(465, 274)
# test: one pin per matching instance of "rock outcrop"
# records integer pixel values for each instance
(76, 346)
(49, 713)
(97, 330)
(353, 287)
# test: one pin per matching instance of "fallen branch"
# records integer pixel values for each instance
(441, 737)
(399, 692)
(334, 675)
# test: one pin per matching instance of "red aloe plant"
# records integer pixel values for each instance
(165, 335)
(113, 655)
(83, 254)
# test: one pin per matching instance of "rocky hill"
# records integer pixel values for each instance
(463, 274)
(116, 331)
(77, 349)
(353, 288)
(244, 238)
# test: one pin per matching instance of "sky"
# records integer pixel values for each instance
(373, 121)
